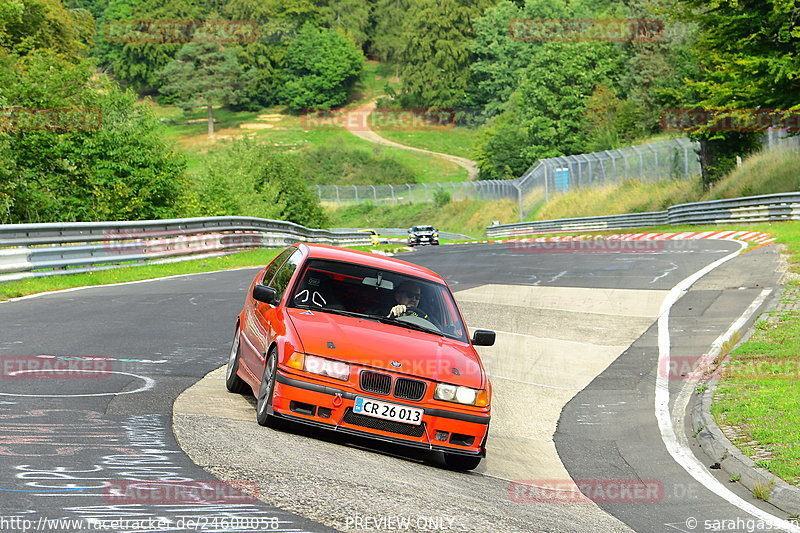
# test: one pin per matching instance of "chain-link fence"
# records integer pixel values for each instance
(665, 160)
(662, 160)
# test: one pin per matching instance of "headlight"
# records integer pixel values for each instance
(436, 235)
(453, 393)
(326, 367)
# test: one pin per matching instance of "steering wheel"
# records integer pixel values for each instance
(415, 311)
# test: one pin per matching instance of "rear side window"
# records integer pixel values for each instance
(275, 265)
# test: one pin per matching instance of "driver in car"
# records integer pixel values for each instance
(407, 295)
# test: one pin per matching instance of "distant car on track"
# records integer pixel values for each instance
(315, 344)
(422, 235)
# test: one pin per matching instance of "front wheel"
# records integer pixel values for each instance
(232, 380)
(265, 392)
(461, 462)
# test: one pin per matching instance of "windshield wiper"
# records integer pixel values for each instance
(335, 311)
(409, 325)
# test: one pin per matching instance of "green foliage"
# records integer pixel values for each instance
(351, 17)
(138, 62)
(441, 198)
(117, 169)
(749, 57)
(545, 116)
(325, 165)
(203, 74)
(248, 179)
(29, 25)
(434, 66)
(322, 67)
(388, 40)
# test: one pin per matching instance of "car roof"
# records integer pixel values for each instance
(321, 251)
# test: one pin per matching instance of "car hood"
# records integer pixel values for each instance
(373, 344)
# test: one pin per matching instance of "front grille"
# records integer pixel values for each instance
(409, 389)
(383, 425)
(375, 382)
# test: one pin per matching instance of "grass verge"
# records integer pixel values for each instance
(469, 217)
(756, 400)
(253, 258)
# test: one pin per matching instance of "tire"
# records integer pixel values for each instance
(233, 382)
(265, 392)
(461, 462)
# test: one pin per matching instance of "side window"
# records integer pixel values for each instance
(276, 264)
(284, 275)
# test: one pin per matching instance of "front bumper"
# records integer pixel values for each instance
(321, 405)
(423, 240)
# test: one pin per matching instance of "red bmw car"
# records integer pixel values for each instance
(363, 344)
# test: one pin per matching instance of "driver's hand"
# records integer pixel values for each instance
(397, 310)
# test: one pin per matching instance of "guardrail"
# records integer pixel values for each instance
(34, 250)
(749, 210)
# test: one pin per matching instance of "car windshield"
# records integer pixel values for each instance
(423, 228)
(356, 290)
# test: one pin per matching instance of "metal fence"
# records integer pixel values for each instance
(35, 250)
(747, 210)
(675, 159)
(665, 160)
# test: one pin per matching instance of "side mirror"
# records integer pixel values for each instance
(265, 294)
(483, 337)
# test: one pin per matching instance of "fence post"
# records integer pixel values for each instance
(338, 200)
(392, 189)
(374, 194)
(655, 154)
(355, 189)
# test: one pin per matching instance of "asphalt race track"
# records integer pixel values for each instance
(89, 379)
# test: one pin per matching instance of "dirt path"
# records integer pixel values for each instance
(360, 127)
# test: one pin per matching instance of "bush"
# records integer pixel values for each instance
(322, 67)
(247, 179)
(333, 165)
(441, 198)
(114, 166)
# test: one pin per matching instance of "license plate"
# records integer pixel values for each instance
(388, 411)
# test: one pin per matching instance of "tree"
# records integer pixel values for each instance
(26, 26)
(545, 115)
(133, 49)
(321, 68)
(101, 156)
(388, 40)
(249, 179)
(204, 74)
(435, 62)
(351, 17)
(749, 57)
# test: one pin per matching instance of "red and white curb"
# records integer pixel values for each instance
(746, 236)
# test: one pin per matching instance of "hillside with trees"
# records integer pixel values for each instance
(521, 98)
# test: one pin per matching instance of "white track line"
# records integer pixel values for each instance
(678, 450)
(72, 289)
